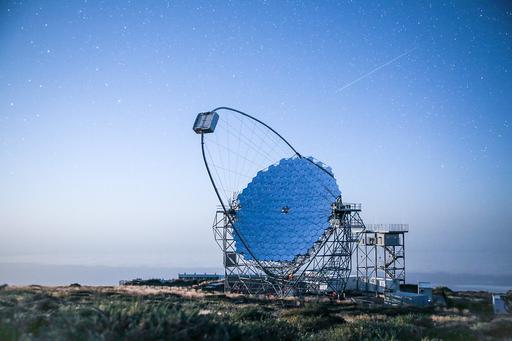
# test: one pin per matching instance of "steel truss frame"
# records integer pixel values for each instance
(376, 260)
(325, 268)
(394, 260)
(366, 260)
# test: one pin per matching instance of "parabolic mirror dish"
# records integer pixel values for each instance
(285, 209)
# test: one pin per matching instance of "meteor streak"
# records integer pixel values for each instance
(375, 70)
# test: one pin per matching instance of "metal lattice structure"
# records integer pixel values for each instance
(254, 225)
(325, 268)
(380, 257)
(330, 267)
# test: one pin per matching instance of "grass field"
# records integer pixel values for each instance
(178, 313)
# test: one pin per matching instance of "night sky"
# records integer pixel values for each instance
(410, 103)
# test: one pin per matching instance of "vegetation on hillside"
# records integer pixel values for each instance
(179, 313)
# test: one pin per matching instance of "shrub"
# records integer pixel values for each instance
(370, 330)
(251, 313)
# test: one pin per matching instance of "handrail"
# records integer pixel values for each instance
(387, 228)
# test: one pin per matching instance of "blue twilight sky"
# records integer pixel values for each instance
(409, 102)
